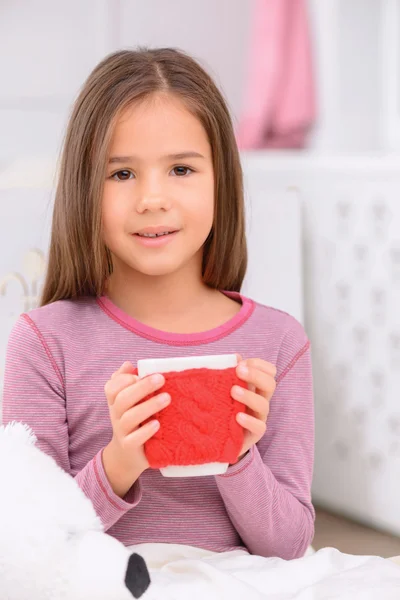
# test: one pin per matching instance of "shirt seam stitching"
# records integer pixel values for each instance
(42, 340)
(294, 360)
(103, 488)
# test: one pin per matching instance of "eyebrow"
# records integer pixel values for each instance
(178, 156)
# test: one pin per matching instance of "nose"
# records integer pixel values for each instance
(152, 196)
(152, 203)
(137, 578)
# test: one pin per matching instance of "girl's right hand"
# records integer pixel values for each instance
(124, 459)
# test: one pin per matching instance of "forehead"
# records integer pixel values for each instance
(160, 123)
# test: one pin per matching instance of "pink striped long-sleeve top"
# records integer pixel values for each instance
(59, 358)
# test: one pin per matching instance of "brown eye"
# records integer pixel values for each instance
(123, 175)
(181, 171)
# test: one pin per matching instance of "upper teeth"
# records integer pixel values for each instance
(154, 234)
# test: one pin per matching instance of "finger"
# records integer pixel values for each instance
(135, 393)
(262, 365)
(132, 418)
(115, 385)
(258, 404)
(142, 435)
(248, 441)
(126, 367)
(263, 382)
(252, 424)
(251, 387)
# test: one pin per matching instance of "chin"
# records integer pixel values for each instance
(157, 270)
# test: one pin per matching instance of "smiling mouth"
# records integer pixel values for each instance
(155, 239)
(154, 235)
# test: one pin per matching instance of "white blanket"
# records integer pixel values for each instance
(186, 573)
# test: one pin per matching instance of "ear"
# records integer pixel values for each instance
(137, 578)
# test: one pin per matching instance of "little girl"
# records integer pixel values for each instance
(147, 258)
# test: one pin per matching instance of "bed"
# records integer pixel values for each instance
(182, 572)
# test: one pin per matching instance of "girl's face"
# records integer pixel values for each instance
(160, 182)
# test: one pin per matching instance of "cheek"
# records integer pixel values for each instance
(202, 210)
(208, 212)
(201, 221)
(107, 217)
(111, 221)
(209, 217)
(113, 209)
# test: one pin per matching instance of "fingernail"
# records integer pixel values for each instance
(238, 391)
(155, 425)
(164, 399)
(243, 370)
(157, 379)
(241, 417)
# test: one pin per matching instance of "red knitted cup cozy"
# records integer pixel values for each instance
(199, 426)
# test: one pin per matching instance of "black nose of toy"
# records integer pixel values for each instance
(137, 578)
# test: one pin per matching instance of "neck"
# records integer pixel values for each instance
(158, 299)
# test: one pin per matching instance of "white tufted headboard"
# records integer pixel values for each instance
(352, 316)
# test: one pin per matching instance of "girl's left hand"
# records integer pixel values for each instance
(260, 378)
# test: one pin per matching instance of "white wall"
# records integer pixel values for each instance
(48, 48)
(348, 38)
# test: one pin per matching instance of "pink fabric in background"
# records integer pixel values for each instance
(279, 101)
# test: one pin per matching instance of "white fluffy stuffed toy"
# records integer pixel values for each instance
(52, 544)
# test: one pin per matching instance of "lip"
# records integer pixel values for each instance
(157, 241)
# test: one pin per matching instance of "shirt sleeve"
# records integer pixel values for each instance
(34, 394)
(268, 493)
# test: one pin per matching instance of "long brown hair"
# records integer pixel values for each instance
(79, 263)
